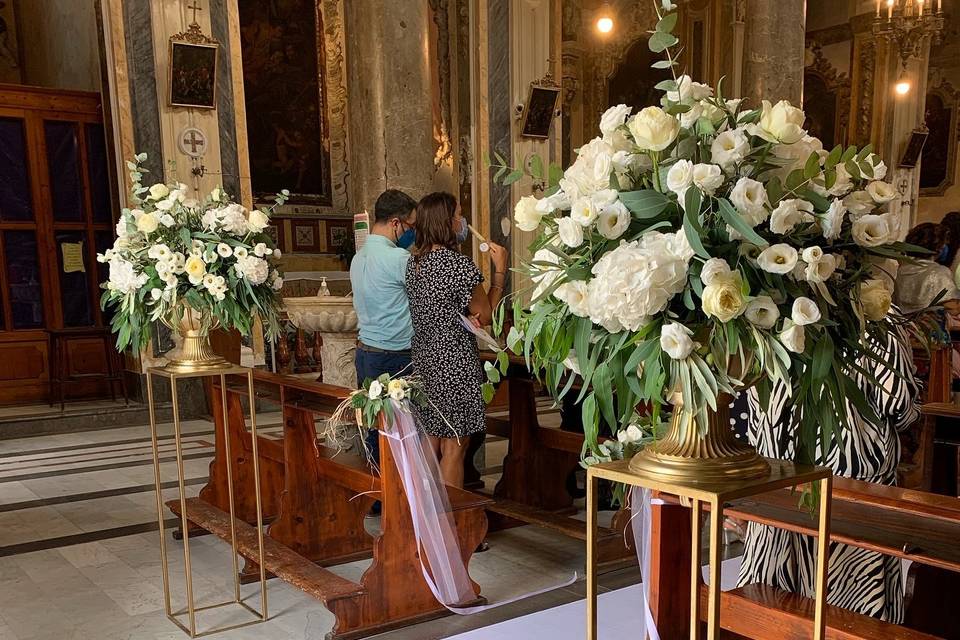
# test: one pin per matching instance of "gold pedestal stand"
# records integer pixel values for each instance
(174, 374)
(781, 475)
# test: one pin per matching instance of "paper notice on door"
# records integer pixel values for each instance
(72, 256)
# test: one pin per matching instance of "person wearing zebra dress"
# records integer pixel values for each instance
(863, 581)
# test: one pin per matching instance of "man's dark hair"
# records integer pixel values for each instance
(393, 203)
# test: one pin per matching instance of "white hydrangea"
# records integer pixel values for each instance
(252, 268)
(124, 277)
(233, 219)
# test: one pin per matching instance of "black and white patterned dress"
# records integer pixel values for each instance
(863, 581)
(440, 284)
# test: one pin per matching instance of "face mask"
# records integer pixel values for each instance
(944, 254)
(407, 238)
(463, 233)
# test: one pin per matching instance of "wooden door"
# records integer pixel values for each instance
(56, 213)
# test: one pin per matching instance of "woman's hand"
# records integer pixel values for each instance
(498, 256)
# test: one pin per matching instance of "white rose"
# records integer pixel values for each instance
(260, 250)
(843, 183)
(859, 203)
(872, 230)
(762, 311)
(750, 198)
(680, 177)
(276, 253)
(687, 89)
(574, 294)
(689, 118)
(570, 232)
(397, 389)
(613, 118)
(224, 250)
(584, 212)
(792, 336)
(805, 311)
(881, 192)
(822, 269)
(790, 213)
(708, 177)
(613, 220)
(653, 129)
(875, 298)
(714, 270)
(675, 340)
(375, 390)
(723, 300)
(781, 122)
(196, 268)
(832, 220)
(812, 254)
(878, 168)
(778, 258)
(729, 148)
(257, 221)
(147, 223)
(159, 191)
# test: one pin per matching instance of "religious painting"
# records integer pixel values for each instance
(820, 105)
(913, 149)
(938, 157)
(284, 91)
(193, 75)
(540, 111)
(10, 66)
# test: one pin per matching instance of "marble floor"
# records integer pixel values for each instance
(79, 551)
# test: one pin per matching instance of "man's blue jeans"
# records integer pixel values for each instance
(372, 365)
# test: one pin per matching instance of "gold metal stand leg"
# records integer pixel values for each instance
(592, 556)
(823, 560)
(256, 488)
(696, 516)
(716, 547)
(229, 457)
(164, 571)
(184, 522)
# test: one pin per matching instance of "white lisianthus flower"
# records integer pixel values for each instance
(881, 192)
(689, 117)
(571, 363)
(570, 232)
(257, 221)
(156, 294)
(159, 191)
(260, 249)
(584, 212)
(675, 340)
(653, 129)
(167, 220)
(805, 311)
(789, 213)
(637, 280)
(240, 252)
(680, 177)
(122, 230)
(147, 223)
(832, 220)
(750, 198)
(877, 168)
(526, 215)
(711, 112)
(179, 262)
(875, 299)
(574, 294)
(708, 177)
(762, 312)
(843, 183)
(812, 254)
(820, 270)
(209, 256)
(375, 390)
(159, 252)
(195, 269)
(604, 197)
(732, 104)
(210, 219)
(778, 258)
(613, 220)
(167, 203)
(781, 123)
(216, 194)
(209, 281)
(559, 200)
(792, 336)
(687, 89)
(723, 299)
(547, 264)
(792, 156)
(729, 148)
(714, 270)
(224, 250)
(171, 282)
(859, 203)
(613, 118)
(872, 230)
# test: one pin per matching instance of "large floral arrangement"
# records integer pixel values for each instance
(173, 253)
(699, 246)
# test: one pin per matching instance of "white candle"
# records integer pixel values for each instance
(878, 8)
(919, 7)
(889, 9)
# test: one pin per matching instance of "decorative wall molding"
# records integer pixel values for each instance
(837, 84)
(335, 62)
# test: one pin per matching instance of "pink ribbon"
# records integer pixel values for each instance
(433, 524)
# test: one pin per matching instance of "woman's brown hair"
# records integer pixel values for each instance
(434, 226)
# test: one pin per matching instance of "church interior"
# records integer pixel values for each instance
(331, 103)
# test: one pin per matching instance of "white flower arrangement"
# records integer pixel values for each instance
(696, 246)
(173, 252)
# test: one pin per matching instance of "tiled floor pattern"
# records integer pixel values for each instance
(79, 553)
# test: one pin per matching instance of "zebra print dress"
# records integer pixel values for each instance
(863, 581)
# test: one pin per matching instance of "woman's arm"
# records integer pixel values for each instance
(483, 303)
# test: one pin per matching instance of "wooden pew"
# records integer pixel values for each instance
(318, 523)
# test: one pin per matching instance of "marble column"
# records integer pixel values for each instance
(390, 97)
(774, 50)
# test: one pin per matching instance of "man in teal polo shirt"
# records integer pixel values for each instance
(377, 276)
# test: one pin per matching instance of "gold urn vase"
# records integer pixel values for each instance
(684, 455)
(194, 353)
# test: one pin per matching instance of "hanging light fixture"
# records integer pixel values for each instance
(605, 19)
(902, 87)
(908, 23)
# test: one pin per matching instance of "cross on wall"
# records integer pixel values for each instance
(194, 142)
(195, 7)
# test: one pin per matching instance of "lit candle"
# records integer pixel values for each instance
(889, 9)
(939, 6)
(920, 8)
(878, 8)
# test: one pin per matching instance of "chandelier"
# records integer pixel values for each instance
(908, 23)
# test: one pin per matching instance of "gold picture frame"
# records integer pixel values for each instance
(194, 60)
(540, 110)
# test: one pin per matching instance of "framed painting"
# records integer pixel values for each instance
(193, 74)
(540, 111)
(10, 59)
(913, 149)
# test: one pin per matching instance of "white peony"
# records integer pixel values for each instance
(762, 311)
(613, 118)
(789, 213)
(781, 123)
(750, 198)
(613, 220)
(875, 299)
(805, 311)
(859, 203)
(574, 294)
(253, 269)
(159, 191)
(637, 280)
(881, 192)
(872, 230)
(653, 129)
(708, 177)
(778, 258)
(526, 215)
(729, 148)
(687, 90)
(723, 299)
(680, 177)
(714, 270)
(832, 221)
(584, 212)
(675, 340)
(570, 232)
(792, 336)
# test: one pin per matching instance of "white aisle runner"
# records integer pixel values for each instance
(618, 616)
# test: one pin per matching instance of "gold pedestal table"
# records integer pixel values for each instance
(191, 610)
(782, 475)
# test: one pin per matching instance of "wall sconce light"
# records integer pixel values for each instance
(902, 87)
(605, 19)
